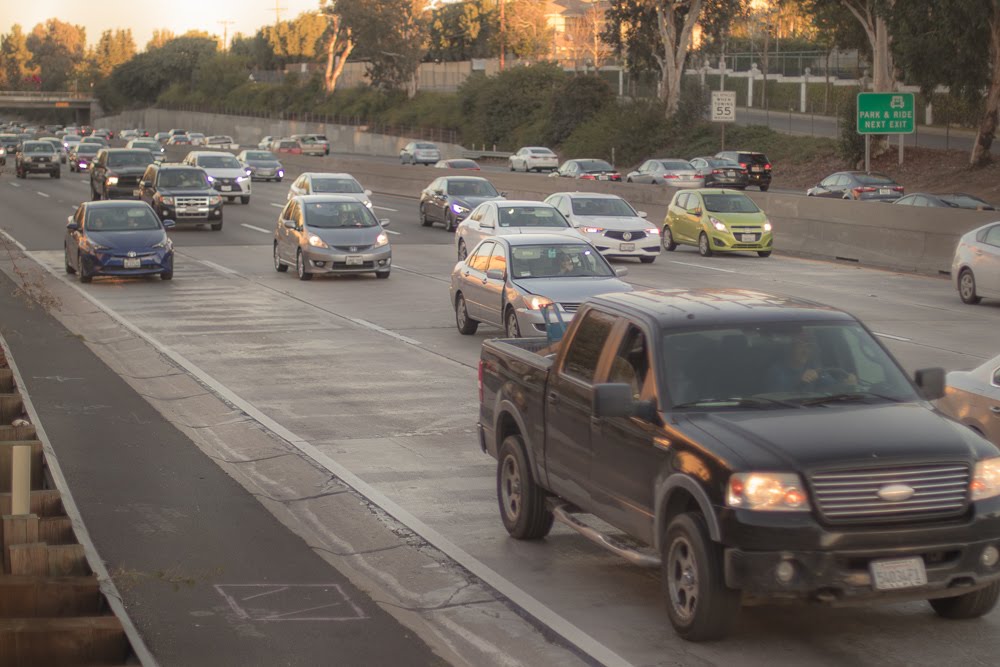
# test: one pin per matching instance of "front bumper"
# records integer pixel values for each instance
(266, 173)
(113, 264)
(333, 260)
(648, 245)
(40, 167)
(211, 213)
(726, 242)
(121, 191)
(532, 322)
(240, 189)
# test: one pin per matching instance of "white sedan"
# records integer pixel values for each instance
(504, 218)
(318, 183)
(533, 158)
(976, 266)
(610, 223)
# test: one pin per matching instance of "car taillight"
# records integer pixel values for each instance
(481, 363)
(588, 177)
(743, 164)
(858, 191)
(767, 166)
(898, 188)
(670, 176)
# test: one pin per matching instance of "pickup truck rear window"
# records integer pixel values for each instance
(585, 347)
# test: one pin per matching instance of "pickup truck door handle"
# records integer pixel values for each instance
(995, 409)
(553, 397)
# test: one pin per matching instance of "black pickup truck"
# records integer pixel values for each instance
(752, 447)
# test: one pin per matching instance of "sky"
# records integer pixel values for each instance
(176, 15)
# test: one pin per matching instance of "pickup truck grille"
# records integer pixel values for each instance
(852, 496)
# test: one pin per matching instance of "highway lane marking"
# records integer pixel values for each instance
(277, 205)
(217, 267)
(702, 266)
(13, 240)
(386, 208)
(389, 231)
(885, 335)
(42, 194)
(256, 229)
(14, 185)
(374, 327)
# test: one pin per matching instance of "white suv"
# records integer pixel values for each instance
(225, 172)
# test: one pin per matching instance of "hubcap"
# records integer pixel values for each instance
(300, 265)
(512, 328)
(462, 251)
(682, 573)
(510, 488)
(667, 237)
(967, 286)
(703, 244)
(460, 312)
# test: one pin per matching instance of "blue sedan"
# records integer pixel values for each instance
(118, 238)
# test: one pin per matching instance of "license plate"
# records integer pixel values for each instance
(756, 169)
(748, 238)
(626, 246)
(885, 191)
(132, 262)
(898, 573)
(355, 260)
(135, 193)
(181, 209)
(227, 188)
(603, 177)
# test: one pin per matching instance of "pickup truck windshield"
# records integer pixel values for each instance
(558, 261)
(779, 363)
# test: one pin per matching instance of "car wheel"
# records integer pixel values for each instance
(512, 166)
(628, 180)
(699, 604)
(704, 247)
(167, 275)
(449, 222)
(216, 226)
(382, 274)
(69, 269)
(279, 266)
(94, 194)
(967, 287)
(85, 276)
(463, 252)
(653, 183)
(647, 260)
(424, 220)
(970, 605)
(667, 239)
(764, 188)
(55, 174)
(510, 325)
(522, 501)
(466, 325)
(245, 200)
(763, 253)
(230, 199)
(300, 267)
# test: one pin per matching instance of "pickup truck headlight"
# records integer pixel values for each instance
(718, 224)
(317, 242)
(771, 492)
(214, 200)
(538, 302)
(986, 479)
(167, 201)
(112, 180)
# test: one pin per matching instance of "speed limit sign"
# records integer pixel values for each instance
(724, 106)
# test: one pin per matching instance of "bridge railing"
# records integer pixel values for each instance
(47, 94)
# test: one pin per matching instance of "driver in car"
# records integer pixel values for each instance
(799, 371)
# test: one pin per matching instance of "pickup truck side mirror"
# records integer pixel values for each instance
(930, 381)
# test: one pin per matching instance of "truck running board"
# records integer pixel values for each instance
(564, 513)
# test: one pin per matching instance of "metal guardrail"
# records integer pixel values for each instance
(47, 94)
(472, 153)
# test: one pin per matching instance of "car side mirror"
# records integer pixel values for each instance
(503, 193)
(696, 211)
(930, 381)
(385, 222)
(169, 224)
(290, 224)
(486, 225)
(621, 271)
(72, 226)
(368, 193)
(495, 274)
(143, 184)
(439, 192)
(642, 214)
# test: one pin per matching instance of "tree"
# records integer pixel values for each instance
(585, 37)
(58, 50)
(15, 59)
(142, 79)
(159, 38)
(527, 32)
(464, 30)
(874, 17)
(389, 34)
(340, 44)
(300, 39)
(112, 49)
(256, 50)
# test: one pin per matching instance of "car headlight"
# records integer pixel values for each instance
(240, 179)
(986, 479)
(767, 226)
(538, 302)
(165, 243)
(2, 151)
(381, 240)
(368, 203)
(281, 172)
(317, 242)
(112, 180)
(215, 199)
(652, 231)
(718, 224)
(90, 246)
(458, 208)
(593, 230)
(168, 200)
(772, 492)
(211, 179)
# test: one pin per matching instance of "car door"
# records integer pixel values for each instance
(568, 396)
(674, 210)
(97, 171)
(474, 282)
(824, 187)
(146, 185)
(690, 222)
(626, 457)
(439, 200)
(493, 288)
(72, 241)
(287, 239)
(986, 263)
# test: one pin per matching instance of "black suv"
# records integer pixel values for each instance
(37, 157)
(181, 193)
(757, 165)
(116, 172)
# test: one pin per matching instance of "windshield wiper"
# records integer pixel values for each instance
(758, 402)
(853, 396)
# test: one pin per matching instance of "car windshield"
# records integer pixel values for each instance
(139, 158)
(336, 185)
(218, 162)
(472, 189)
(183, 178)
(779, 363)
(676, 165)
(531, 216)
(874, 179)
(558, 261)
(261, 155)
(338, 215)
(71, 137)
(93, 140)
(180, 137)
(120, 219)
(39, 147)
(594, 165)
(730, 204)
(605, 206)
(87, 149)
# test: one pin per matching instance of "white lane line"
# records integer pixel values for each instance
(84, 180)
(14, 185)
(256, 229)
(217, 267)
(374, 327)
(885, 335)
(702, 266)
(73, 207)
(386, 208)
(42, 194)
(389, 231)
(13, 240)
(277, 205)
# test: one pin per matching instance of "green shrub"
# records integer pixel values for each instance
(575, 101)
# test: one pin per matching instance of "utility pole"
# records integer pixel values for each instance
(225, 33)
(503, 32)
(277, 11)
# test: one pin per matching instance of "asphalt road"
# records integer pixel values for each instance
(374, 375)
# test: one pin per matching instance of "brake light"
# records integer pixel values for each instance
(670, 176)
(743, 164)
(858, 191)
(767, 166)
(588, 177)
(481, 363)
(898, 188)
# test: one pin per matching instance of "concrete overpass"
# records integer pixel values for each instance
(83, 105)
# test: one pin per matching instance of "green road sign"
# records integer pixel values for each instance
(885, 113)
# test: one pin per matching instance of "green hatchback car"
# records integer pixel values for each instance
(716, 221)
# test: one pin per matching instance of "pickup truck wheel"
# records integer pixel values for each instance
(466, 325)
(971, 605)
(522, 502)
(699, 604)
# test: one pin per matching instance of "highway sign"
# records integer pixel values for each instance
(885, 113)
(723, 106)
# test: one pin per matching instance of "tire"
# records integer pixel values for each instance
(647, 260)
(216, 226)
(967, 288)
(69, 269)
(466, 325)
(300, 267)
(704, 247)
(510, 326)
(511, 166)
(167, 275)
(424, 221)
(382, 274)
(763, 253)
(94, 194)
(55, 174)
(84, 276)
(521, 500)
(667, 239)
(628, 180)
(764, 188)
(245, 200)
(230, 200)
(463, 252)
(699, 604)
(449, 221)
(279, 266)
(970, 605)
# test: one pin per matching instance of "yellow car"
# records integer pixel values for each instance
(716, 221)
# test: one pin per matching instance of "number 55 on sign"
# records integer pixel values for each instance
(723, 106)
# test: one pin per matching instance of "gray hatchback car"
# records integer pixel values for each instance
(320, 234)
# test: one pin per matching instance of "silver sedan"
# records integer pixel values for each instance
(976, 266)
(506, 218)
(973, 398)
(515, 281)
(678, 173)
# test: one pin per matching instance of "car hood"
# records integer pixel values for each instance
(571, 289)
(811, 438)
(631, 223)
(362, 236)
(471, 202)
(757, 218)
(224, 172)
(137, 240)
